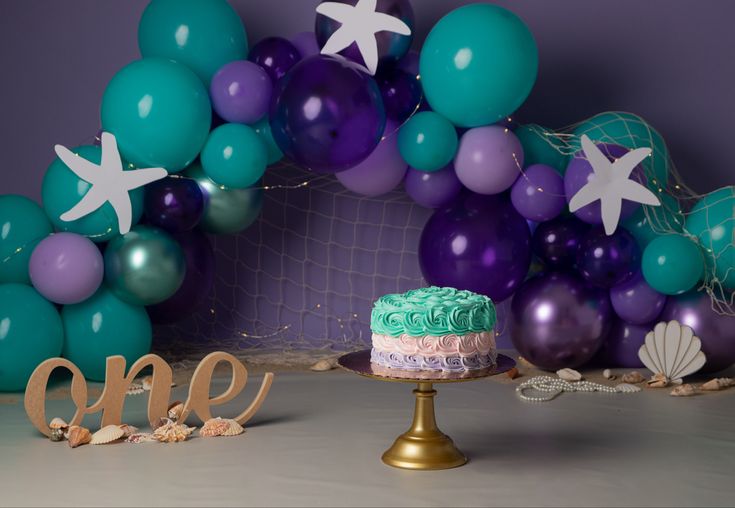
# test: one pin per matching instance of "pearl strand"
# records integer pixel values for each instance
(553, 387)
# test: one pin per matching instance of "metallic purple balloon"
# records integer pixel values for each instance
(557, 241)
(607, 261)
(479, 243)
(410, 63)
(174, 204)
(326, 114)
(241, 92)
(538, 194)
(306, 43)
(716, 331)
(401, 93)
(276, 55)
(636, 302)
(200, 268)
(66, 268)
(391, 46)
(559, 321)
(435, 189)
(621, 346)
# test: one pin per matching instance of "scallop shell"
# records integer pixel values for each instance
(107, 434)
(142, 437)
(58, 423)
(634, 377)
(234, 429)
(683, 391)
(214, 427)
(78, 436)
(128, 430)
(569, 375)
(673, 350)
(173, 432)
(627, 388)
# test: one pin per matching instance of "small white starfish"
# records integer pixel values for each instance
(611, 183)
(360, 23)
(109, 182)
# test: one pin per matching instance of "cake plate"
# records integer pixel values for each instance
(423, 446)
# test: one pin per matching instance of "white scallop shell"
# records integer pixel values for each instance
(107, 435)
(673, 350)
(234, 429)
(627, 388)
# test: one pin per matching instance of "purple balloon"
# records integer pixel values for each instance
(276, 55)
(636, 302)
(557, 241)
(478, 243)
(197, 282)
(559, 321)
(391, 46)
(401, 93)
(607, 261)
(326, 114)
(306, 43)
(621, 346)
(716, 331)
(241, 92)
(489, 159)
(579, 172)
(410, 63)
(66, 268)
(538, 194)
(435, 189)
(174, 204)
(381, 172)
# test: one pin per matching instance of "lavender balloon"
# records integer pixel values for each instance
(478, 243)
(621, 346)
(66, 268)
(489, 159)
(276, 55)
(538, 194)
(557, 241)
(241, 92)
(559, 321)
(174, 204)
(636, 302)
(306, 43)
(606, 261)
(434, 189)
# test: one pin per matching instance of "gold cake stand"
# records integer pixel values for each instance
(423, 446)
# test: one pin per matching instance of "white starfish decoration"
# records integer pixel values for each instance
(360, 23)
(109, 182)
(611, 184)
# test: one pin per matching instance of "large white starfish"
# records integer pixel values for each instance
(360, 23)
(109, 182)
(611, 184)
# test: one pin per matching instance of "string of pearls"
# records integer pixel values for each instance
(552, 387)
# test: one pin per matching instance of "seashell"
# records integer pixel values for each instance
(634, 377)
(107, 434)
(658, 381)
(175, 409)
(686, 390)
(526, 363)
(172, 432)
(128, 430)
(134, 389)
(160, 422)
(513, 373)
(607, 374)
(569, 375)
(214, 427)
(147, 383)
(324, 365)
(58, 423)
(78, 436)
(233, 429)
(718, 384)
(627, 388)
(672, 349)
(141, 437)
(56, 435)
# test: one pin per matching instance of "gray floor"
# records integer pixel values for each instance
(318, 439)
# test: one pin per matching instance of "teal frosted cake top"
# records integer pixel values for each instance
(432, 311)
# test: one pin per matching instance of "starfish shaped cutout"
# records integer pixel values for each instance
(109, 182)
(611, 184)
(360, 23)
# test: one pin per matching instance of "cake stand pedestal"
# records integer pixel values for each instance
(423, 446)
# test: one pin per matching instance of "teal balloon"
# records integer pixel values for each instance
(672, 264)
(234, 156)
(263, 128)
(159, 111)
(712, 221)
(204, 35)
(542, 146)
(145, 266)
(650, 222)
(62, 189)
(478, 64)
(22, 225)
(630, 131)
(427, 141)
(30, 333)
(226, 211)
(103, 326)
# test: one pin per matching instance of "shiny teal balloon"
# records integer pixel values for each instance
(226, 211)
(22, 225)
(263, 128)
(159, 112)
(103, 326)
(204, 35)
(478, 64)
(62, 189)
(712, 221)
(30, 332)
(649, 222)
(427, 141)
(542, 146)
(145, 266)
(672, 264)
(234, 156)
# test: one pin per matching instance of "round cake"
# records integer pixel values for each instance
(439, 329)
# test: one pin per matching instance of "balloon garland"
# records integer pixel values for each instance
(205, 116)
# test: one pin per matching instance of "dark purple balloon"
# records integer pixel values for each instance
(479, 243)
(434, 189)
(276, 55)
(538, 194)
(326, 114)
(636, 302)
(401, 93)
(410, 63)
(716, 331)
(197, 283)
(306, 43)
(621, 346)
(175, 204)
(557, 241)
(606, 261)
(391, 46)
(559, 321)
